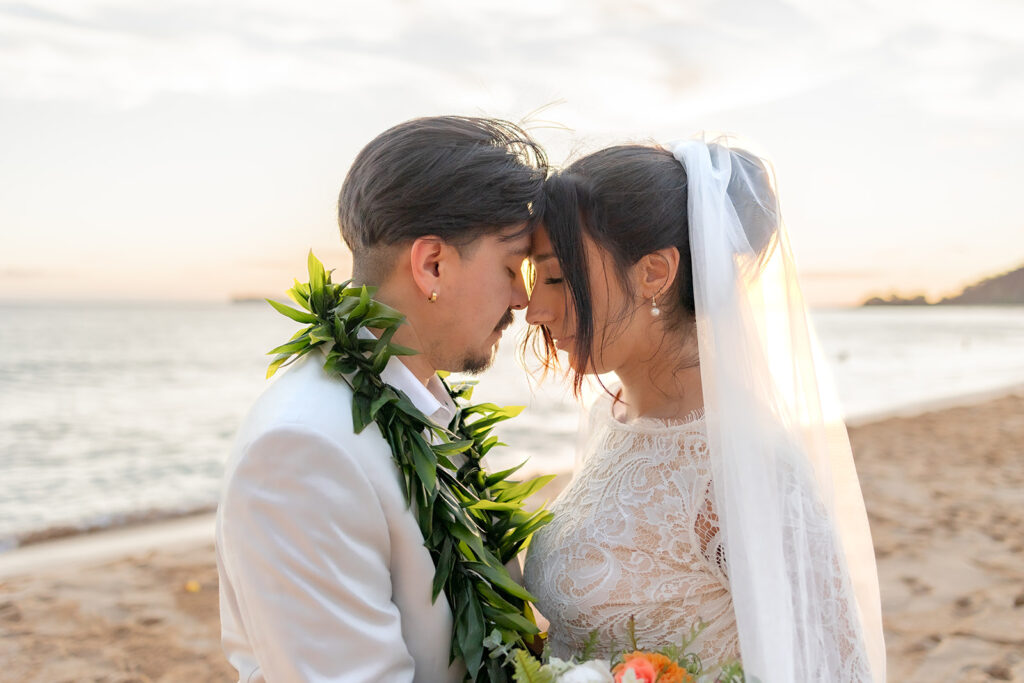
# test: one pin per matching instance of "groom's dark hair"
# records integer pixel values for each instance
(455, 177)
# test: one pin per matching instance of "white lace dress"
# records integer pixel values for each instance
(635, 536)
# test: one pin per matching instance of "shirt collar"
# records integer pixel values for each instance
(432, 400)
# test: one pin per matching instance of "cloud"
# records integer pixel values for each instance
(672, 57)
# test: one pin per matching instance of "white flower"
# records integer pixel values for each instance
(594, 671)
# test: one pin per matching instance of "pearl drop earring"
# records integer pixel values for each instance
(655, 311)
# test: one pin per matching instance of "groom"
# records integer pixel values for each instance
(323, 571)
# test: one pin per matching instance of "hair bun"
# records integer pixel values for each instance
(753, 196)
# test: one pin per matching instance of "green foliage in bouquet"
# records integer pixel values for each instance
(472, 522)
(680, 664)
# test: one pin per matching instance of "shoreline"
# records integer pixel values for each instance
(944, 493)
(189, 530)
(147, 526)
(100, 545)
(918, 408)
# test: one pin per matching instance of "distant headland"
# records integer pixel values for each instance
(1001, 290)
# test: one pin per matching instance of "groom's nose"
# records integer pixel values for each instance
(520, 299)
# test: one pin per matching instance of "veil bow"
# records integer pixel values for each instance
(800, 561)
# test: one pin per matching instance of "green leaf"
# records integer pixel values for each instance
(300, 294)
(317, 276)
(297, 316)
(492, 598)
(503, 475)
(360, 412)
(487, 422)
(363, 306)
(318, 295)
(463, 534)
(492, 505)
(453, 447)
(490, 443)
(406, 406)
(343, 310)
(445, 563)
(525, 489)
(476, 629)
(322, 333)
(339, 365)
(511, 620)
(378, 364)
(276, 364)
(356, 290)
(385, 397)
(291, 347)
(399, 350)
(483, 408)
(538, 520)
(382, 342)
(501, 579)
(425, 462)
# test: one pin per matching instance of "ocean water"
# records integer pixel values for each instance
(116, 412)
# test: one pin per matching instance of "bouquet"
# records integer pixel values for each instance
(674, 664)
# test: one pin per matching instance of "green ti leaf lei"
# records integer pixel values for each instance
(473, 523)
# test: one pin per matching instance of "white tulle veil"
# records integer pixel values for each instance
(800, 559)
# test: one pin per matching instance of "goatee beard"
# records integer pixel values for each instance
(474, 365)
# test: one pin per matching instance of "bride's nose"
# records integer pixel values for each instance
(539, 311)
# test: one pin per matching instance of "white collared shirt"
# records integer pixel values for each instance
(431, 399)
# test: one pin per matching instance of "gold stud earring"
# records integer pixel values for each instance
(655, 311)
(433, 296)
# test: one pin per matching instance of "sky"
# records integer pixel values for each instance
(194, 150)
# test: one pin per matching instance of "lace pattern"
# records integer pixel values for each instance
(833, 649)
(635, 536)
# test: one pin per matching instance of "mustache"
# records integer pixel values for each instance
(505, 321)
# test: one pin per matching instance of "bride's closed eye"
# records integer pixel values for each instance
(552, 280)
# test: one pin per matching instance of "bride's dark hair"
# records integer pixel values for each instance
(631, 200)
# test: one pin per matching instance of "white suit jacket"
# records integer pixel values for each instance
(323, 571)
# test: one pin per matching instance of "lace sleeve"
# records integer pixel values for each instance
(832, 647)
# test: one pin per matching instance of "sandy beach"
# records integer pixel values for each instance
(944, 490)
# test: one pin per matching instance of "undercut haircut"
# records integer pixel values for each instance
(459, 178)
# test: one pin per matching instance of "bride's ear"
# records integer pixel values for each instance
(656, 272)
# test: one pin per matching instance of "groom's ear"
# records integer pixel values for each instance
(657, 271)
(427, 258)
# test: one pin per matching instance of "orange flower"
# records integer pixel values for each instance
(651, 667)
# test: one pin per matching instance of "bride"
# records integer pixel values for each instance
(716, 482)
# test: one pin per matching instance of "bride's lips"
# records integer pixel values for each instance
(564, 343)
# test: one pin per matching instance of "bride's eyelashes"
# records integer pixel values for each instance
(552, 280)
